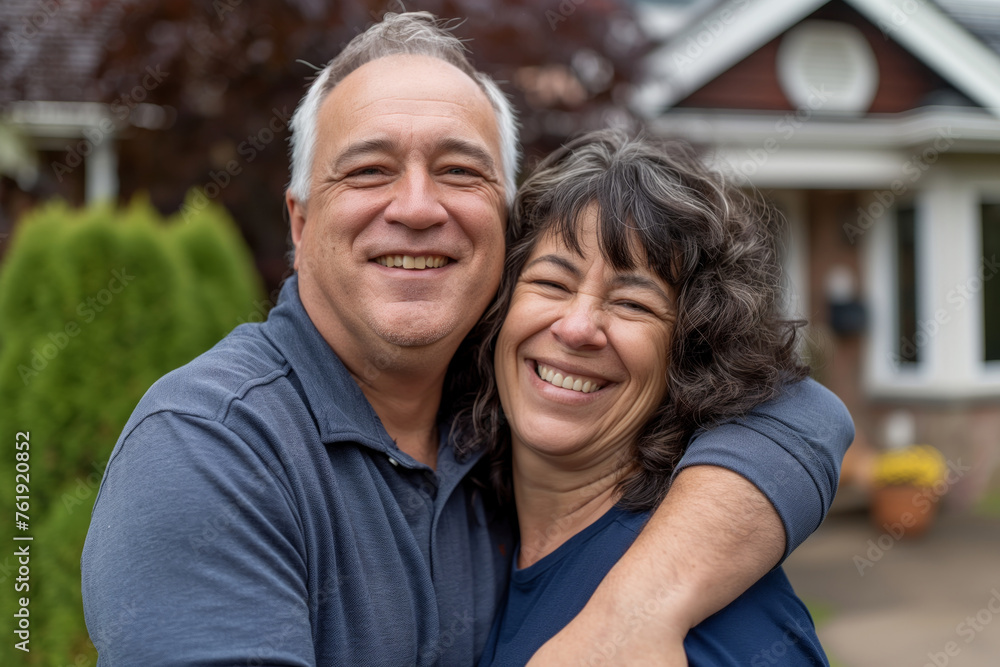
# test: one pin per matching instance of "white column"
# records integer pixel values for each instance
(948, 240)
(101, 172)
(792, 205)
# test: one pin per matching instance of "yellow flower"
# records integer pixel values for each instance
(919, 465)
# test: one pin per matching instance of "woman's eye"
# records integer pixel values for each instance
(549, 284)
(637, 307)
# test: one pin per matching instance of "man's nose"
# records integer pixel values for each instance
(416, 201)
(581, 324)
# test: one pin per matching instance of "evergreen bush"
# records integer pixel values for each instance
(95, 305)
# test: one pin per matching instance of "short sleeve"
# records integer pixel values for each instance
(194, 556)
(790, 448)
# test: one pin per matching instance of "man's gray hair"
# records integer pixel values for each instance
(410, 33)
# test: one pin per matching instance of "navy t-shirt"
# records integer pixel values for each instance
(766, 625)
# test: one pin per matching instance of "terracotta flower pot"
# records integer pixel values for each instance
(903, 511)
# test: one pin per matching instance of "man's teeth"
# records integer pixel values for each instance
(552, 376)
(411, 262)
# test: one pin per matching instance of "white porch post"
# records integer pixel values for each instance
(101, 172)
(948, 240)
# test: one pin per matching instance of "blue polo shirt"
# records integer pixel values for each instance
(254, 511)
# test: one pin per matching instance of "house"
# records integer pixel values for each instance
(58, 134)
(874, 126)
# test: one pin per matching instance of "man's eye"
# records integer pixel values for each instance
(367, 171)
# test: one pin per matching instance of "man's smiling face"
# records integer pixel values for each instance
(402, 239)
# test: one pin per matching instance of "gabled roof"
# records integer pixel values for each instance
(736, 28)
(980, 17)
(51, 50)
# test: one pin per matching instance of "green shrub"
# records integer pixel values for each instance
(95, 305)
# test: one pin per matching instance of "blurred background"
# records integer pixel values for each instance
(143, 158)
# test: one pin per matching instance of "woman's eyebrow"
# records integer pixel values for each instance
(561, 262)
(636, 280)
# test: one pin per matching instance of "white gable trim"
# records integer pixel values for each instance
(941, 44)
(707, 48)
(791, 150)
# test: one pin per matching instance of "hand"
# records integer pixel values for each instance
(626, 622)
(588, 641)
(713, 536)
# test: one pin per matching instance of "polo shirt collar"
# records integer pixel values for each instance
(342, 412)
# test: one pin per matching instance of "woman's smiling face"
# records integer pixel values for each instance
(582, 357)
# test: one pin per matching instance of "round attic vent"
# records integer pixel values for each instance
(827, 66)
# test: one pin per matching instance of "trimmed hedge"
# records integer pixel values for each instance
(95, 305)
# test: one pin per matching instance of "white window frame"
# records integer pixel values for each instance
(949, 253)
(991, 369)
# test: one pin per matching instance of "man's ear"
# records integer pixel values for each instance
(296, 221)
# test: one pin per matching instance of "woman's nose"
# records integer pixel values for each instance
(581, 324)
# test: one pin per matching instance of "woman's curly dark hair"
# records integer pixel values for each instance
(656, 202)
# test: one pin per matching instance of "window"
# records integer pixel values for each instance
(932, 282)
(832, 57)
(991, 285)
(907, 350)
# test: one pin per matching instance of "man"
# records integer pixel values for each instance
(292, 497)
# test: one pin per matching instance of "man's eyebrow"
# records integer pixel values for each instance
(364, 147)
(636, 280)
(471, 150)
(561, 262)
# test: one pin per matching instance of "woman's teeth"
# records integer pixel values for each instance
(411, 262)
(585, 385)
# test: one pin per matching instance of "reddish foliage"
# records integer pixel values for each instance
(231, 65)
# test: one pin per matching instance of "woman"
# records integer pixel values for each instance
(638, 305)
